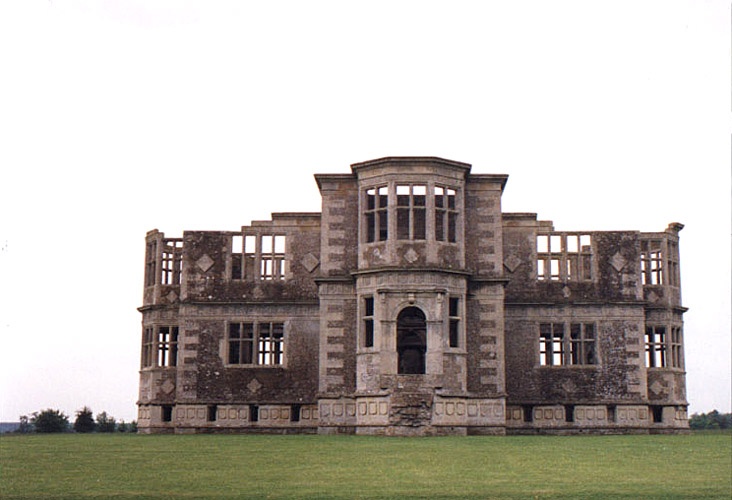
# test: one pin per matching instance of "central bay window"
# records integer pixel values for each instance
(418, 212)
(411, 212)
(256, 343)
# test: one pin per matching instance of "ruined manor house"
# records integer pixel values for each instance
(412, 305)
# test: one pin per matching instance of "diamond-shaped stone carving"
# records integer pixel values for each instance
(411, 256)
(254, 386)
(172, 296)
(167, 386)
(205, 263)
(652, 297)
(618, 262)
(566, 292)
(310, 262)
(512, 262)
(656, 387)
(568, 386)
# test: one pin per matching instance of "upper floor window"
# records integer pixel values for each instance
(416, 210)
(411, 212)
(268, 250)
(445, 214)
(564, 257)
(172, 262)
(651, 262)
(259, 343)
(170, 253)
(377, 201)
(556, 348)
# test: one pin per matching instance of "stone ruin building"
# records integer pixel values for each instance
(412, 305)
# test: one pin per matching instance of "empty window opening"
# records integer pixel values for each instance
(273, 257)
(656, 346)
(564, 257)
(151, 255)
(167, 346)
(148, 347)
(411, 212)
(677, 352)
(657, 412)
(612, 413)
(672, 255)
(454, 312)
(528, 411)
(375, 215)
(651, 262)
(582, 344)
(445, 214)
(171, 262)
(295, 413)
(211, 413)
(368, 322)
(271, 340)
(551, 344)
(411, 341)
(254, 413)
(256, 343)
(569, 413)
(166, 413)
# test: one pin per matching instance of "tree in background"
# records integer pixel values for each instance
(711, 420)
(49, 421)
(25, 426)
(105, 423)
(84, 420)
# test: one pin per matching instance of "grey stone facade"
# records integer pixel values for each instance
(412, 305)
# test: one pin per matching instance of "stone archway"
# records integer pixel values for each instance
(411, 341)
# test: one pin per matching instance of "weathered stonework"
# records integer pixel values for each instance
(412, 305)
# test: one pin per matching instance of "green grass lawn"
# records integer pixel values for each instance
(219, 466)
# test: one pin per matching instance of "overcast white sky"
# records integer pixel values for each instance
(117, 117)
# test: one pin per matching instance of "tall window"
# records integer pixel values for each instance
(148, 347)
(151, 253)
(454, 311)
(556, 348)
(243, 257)
(551, 344)
(273, 257)
(656, 346)
(564, 257)
(677, 353)
(256, 343)
(651, 262)
(172, 262)
(167, 346)
(411, 212)
(445, 214)
(377, 201)
(582, 344)
(368, 322)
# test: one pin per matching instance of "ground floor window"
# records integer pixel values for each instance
(570, 344)
(259, 343)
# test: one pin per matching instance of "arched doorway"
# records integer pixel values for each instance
(411, 341)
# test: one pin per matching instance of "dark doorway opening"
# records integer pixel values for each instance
(411, 341)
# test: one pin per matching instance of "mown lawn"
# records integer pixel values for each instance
(211, 466)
